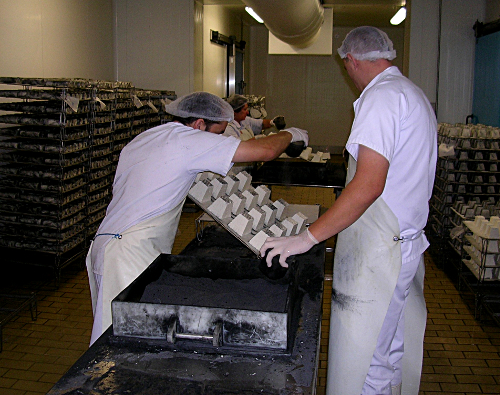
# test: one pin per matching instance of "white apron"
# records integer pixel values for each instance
(244, 132)
(367, 266)
(126, 258)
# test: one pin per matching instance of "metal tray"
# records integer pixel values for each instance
(216, 302)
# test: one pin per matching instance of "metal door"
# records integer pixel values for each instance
(239, 72)
(486, 99)
(235, 70)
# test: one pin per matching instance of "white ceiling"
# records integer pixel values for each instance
(345, 12)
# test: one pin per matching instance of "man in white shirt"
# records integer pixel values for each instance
(153, 177)
(245, 127)
(380, 215)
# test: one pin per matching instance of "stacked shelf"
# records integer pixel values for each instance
(467, 169)
(136, 111)
(480, 271)
(466, 191)
(101, 136)
(462, 211)
(44, 168)
(481, 248)
(58, 154)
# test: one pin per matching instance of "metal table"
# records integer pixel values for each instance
(121, 366)
(299, 172)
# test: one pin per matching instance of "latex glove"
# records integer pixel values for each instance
(279, 122)
(286, 246)
(298, 135)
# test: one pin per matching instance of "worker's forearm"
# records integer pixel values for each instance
(366, 186)
(350, 205)
(280, 140)
(264, 149)
(266, 123)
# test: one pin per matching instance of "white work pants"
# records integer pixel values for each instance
(386, 366)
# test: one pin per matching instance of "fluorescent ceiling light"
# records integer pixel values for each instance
(399, 16)
(255, 16)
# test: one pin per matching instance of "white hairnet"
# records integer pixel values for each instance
(202, 105)
(367, 43)
(237, 102)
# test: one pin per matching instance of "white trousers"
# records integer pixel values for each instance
(386, 365)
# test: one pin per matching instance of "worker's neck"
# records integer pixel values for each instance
(372, 69)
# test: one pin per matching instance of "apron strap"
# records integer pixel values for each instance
(115, 235)
(403, 239)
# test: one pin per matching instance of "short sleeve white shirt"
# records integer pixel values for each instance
(394, 118)
(157, 169)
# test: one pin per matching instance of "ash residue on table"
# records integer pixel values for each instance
(244, 294)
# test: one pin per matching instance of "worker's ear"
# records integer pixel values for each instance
(199, 124)
(351, 59)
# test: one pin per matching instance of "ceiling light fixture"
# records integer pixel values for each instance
(399, 16)
(253, 13)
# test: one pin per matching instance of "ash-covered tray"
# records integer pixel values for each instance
(212, 301)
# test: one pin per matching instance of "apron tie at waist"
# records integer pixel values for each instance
(115, 235)
(402, 239)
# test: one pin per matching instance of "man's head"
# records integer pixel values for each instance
(201, 110)
(367, 43)
(239, 104)
(366, 52)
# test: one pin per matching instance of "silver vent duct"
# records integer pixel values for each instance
(295, 22)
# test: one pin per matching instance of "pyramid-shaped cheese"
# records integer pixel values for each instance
(202, 191)
(241, 224)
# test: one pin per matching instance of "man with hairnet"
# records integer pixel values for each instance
(378, 310)
(153, 177)
(245, 127)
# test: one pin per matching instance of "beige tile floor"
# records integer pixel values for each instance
(462, 355)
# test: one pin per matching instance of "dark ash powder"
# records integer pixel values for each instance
(248, 294)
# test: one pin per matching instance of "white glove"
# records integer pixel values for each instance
(298, 135)
(286, 246)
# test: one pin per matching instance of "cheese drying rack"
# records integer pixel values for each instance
(466, 189)
(58, 152)
(60, 139)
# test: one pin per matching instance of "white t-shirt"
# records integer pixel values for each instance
(394, 118)
(155, 172)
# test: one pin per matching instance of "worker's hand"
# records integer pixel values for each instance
(279, 122)
(298, 135)
(286, 246)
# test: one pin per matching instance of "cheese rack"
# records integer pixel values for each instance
(58, 151)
